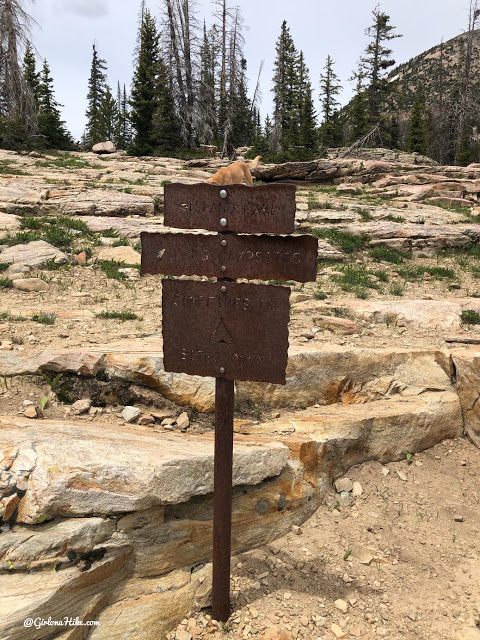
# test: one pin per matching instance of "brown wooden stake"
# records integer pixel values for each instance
(222, 498)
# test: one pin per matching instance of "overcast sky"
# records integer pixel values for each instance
(318, 27)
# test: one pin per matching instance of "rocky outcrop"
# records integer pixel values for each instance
(135, 556)
(98, 202)
(467, 367)
(32, 254)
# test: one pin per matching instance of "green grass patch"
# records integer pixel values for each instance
(7, 168)
(466, 211)
(111, 269)
(5, 283)
(319, 295)
(414, 274)
(121, 242)
(393, 218)
(397, 289)
(347, 242)
(118, 315)
(469, 316)
(66, 161)
(356, 280)
(60, 231)
(3, 266)
(364, 214)
(6, 315)
(386, 254)
(382, 275)
(44, 318)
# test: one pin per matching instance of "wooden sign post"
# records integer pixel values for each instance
(224, 329)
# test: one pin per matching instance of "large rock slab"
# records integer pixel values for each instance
(321, 375)
(467, 367)
(437, 315)
(406, 235)
(79, 469)
(98, 202)
(33, 254)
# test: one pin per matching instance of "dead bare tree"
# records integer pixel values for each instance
(467, 104)
(180, 48)
(16, 100)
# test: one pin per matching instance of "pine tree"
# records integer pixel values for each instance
(206, 108)
(166, 136)
(122, 136)
(108, 116)
(358, 117)
(30, 73)
(307, 122)
(152, 107)
(376, 61)
(330, 88)
(97, 87)
(284, 91)
(144, 88)
(50, 122)
(417, 133)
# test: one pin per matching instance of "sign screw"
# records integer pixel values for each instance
(224, 268)
(223, 193)
(223, 289)
(223, 222)
(222, 369)
(223, 243)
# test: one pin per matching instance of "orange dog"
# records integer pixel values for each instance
(236, 173)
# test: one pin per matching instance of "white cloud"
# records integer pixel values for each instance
(86, 8)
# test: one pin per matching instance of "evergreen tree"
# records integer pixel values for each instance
(330, 88)
(97, 87)
(307, 123)
(122, 129)
(166, 136)
(30, 73)
(206, 108)
(50, 122)
(285, 84)
(417, 133)
(145, 88)
(108, 117)
(152, 108)
(376, 61)
(358, 117)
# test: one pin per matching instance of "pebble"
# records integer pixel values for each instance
(146, 419)
(402, 476)
(337, 631)
(458, 518)
(30, 412)
(130, 414)
(296, 530)
(357, 489)
(344, 484)
(183, 420)
(80, 406)
(341, 605)
(385, 471)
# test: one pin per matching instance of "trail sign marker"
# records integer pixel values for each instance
(224, 329)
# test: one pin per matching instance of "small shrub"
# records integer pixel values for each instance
(396, 289)
(3, 266)
(469, 316)
(385, 254)
(45, 318)
(5, 283)
(118, 315)
(121, 242)
(382, 275)
(393, 218)
(347, 242)
(111, 269)
(320, 295)
(364, 214)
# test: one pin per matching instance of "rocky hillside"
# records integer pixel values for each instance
(435, 70)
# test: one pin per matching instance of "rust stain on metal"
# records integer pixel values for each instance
(229, 330)
(241, 256)
(263, 209)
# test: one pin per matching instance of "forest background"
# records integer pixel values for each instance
(190, 87)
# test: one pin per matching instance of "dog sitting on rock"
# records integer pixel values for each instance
(235, 173)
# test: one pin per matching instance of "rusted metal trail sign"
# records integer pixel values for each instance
(225, 329)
